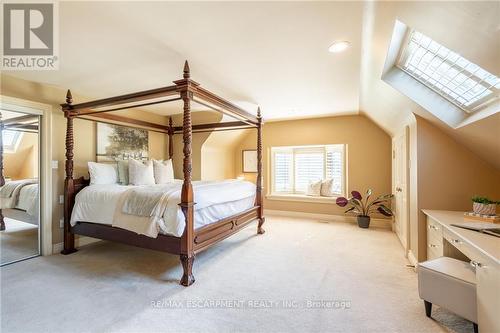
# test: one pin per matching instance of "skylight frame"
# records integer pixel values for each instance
(450, 90)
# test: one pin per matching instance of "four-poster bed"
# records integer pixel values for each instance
(193, 239)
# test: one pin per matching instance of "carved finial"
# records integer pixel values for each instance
(170, 121)
(186, 70)
(69, 97)
(258, 112)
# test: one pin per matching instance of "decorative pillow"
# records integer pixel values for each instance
(164, 171)
(123, 172)
(103, 173)
(314, 188)
(327, 188)
(140, 173)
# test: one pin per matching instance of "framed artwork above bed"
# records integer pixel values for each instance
(115, 142)
(249, 162)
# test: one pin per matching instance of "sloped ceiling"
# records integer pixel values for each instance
(272, 54)
(470, 28)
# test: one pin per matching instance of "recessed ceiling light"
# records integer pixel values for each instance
(339, 46)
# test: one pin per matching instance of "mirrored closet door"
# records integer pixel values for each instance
(19, 186)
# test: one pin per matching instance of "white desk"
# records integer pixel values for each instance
(482, 250)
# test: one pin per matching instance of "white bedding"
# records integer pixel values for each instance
(23, 197)
(28, 199)
(102, 204)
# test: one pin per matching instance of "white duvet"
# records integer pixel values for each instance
(214, 200)
(23, 196)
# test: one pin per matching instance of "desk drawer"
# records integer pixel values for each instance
(469, 251)
(434, 250)
(434, 232)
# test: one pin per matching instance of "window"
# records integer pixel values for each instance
(11, 140)
(293, 168)
(460, 81)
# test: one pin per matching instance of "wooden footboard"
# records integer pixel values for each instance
(215, 232)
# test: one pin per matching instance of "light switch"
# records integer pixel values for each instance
(61, 199)
(55, 164)
(61, 223)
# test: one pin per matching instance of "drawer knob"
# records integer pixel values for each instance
(475, 264)
(456, 241)
(433, 227)
(432, 245)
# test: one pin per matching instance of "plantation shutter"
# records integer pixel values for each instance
(294, 168)
(309, 167)
(283, 166)
(335, 167)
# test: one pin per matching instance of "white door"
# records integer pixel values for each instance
(400, 188)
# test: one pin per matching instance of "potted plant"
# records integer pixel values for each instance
(364, 208)
(484, 206)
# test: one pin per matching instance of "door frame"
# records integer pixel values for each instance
(406, 137)
(45, 166)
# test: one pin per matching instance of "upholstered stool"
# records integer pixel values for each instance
(451, 284)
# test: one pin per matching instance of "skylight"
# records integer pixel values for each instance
(11, 140)
(460, 81)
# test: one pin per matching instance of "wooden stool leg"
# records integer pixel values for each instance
(428, 308)
(476, 329)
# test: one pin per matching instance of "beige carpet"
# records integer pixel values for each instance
(19, 240)
(107, 287)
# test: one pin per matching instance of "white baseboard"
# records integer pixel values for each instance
(375, 222)
(80, 241)
(412, 259)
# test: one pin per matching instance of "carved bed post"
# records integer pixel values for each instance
(170, 138)
(258, 200)
(187, 205)
(69, 237)
(2, 178)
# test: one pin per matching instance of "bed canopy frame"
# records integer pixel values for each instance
(192, 240)
(24, 123)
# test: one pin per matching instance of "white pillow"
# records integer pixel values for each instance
(140, 173)
(314, 188)
(164, 171)
(103, 173)
(327, 188)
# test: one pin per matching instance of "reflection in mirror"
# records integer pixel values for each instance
(19, 186)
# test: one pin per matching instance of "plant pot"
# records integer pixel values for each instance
(484, 209)
(363, 221)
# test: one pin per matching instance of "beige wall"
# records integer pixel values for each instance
(368, 156)
(84, 133)
(448, 175)
(201, 117)
(23, 163)
(217, 154)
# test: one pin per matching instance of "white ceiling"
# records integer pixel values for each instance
(272, 54)
(251, 53)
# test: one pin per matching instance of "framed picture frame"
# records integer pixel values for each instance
(117, 142)
(249, 161)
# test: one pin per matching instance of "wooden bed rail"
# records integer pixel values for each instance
(191, 241)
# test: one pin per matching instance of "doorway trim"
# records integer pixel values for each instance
(45, 132)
